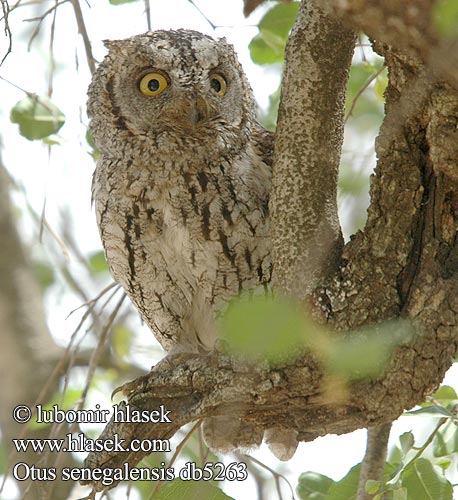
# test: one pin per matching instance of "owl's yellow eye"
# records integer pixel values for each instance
(218, 83)
(153, 84)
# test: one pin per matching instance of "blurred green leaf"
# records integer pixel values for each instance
(280, 19)
(372, 486)
(64, 402)
(156, 459)
(44, 274)
(367, 101)
(423, 481)
(121, 340)
(351, 182)
(37, 117)
(445, 395)
(445, 17)
(407, 441)
(189, 490)
(269, 119)
(98, 263)
(443, 462)
(259, 326)
(95, 153)
(346, 488)
(363, 354)
(430, 411)
(380, 85)
(268, 46)
(313, 486)
(400, 494)
(446, 440)
(52, 140)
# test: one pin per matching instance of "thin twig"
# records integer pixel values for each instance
(91, 302)
(40, 20)
(202, 14)
(259, 479)
(148, 14)
(361, 90)
(177, 452)
(277, 476)
(6, 11)
(99, 349)
(83, 32)
(52, 62)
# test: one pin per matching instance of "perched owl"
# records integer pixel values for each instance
(182, 184)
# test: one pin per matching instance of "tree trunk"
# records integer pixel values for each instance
(28, 354)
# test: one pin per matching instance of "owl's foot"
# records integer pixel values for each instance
(281, 442)
(229, 433)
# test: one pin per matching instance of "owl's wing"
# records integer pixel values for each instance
(264, 143)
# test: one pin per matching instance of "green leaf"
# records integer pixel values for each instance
(95, 153)
(364, 353)
(313, 486)
(445, 17)
(259, 326)
(444, 463)
(44, 274)
(423, 481)
(446, 441)
(372, 486)
(445, 395)
(190, 490)
(400, 494)
(407, 441)
(381, 82)
(52, 140)
(37, 117)
(269, 119)
(280, 19)
(121, 340)
(98, 263)
(346, 488)
(430, 411)
(267, 48)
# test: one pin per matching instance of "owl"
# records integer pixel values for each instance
(181, 187)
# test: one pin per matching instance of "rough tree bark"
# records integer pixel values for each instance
(403, 265)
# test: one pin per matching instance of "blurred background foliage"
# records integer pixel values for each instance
(108, 336)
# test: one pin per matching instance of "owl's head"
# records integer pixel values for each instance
(180, 84)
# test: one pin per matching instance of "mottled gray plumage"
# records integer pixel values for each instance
(182, 183)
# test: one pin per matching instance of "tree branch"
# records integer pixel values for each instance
(373, 464)
(306, 233)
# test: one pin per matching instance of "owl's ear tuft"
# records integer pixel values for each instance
(113, 45)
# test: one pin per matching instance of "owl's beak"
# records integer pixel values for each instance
(189, 111)
(197, 110)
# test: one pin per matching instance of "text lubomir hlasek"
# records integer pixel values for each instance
(121, 413)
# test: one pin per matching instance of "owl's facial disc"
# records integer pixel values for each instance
(183, 105)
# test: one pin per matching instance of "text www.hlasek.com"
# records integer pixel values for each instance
(79, 443)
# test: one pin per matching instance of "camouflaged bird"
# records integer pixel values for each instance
(182, 184)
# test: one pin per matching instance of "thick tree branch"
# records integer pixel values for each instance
(373, 464)
(306, 234)
(408, 28)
